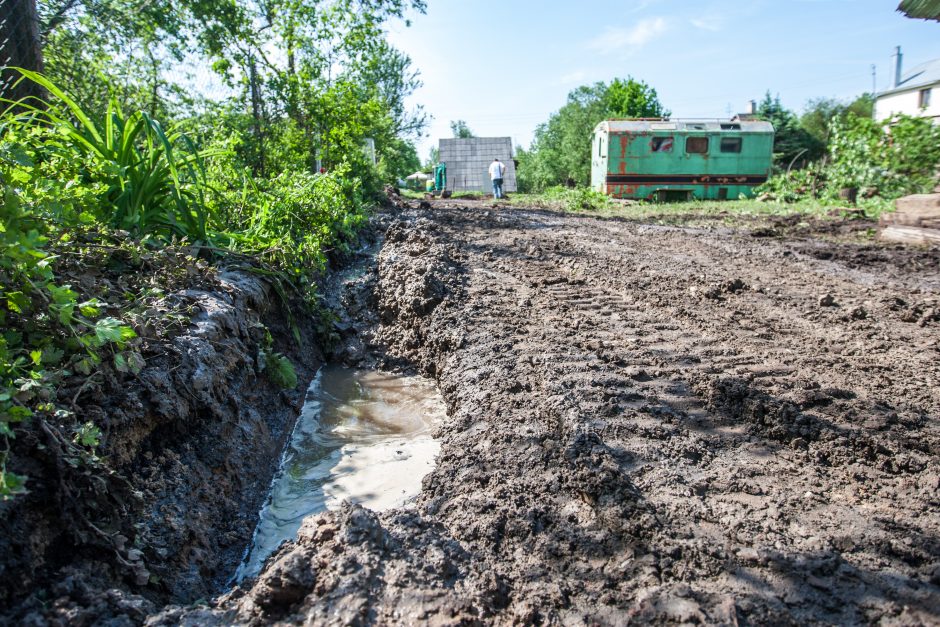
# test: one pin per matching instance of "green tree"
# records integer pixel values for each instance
(821, 112)
(399, 159)
(331, 53)
(792, 142)
(460, 129)
(561, 150)
(434, 157)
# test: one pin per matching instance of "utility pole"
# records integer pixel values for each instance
(19, 47)
(874, 81)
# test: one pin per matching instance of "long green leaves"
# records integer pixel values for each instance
(154, 180)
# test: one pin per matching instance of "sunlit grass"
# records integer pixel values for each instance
(711, 211)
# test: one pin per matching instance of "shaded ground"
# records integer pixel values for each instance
(647, 423)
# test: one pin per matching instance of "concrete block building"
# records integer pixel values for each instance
(468, 161)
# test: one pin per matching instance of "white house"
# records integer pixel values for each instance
(916, 92)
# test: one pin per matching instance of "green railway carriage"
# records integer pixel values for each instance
(681, 159)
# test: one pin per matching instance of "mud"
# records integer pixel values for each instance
(645, 424)
(192, 442)
(362, 436)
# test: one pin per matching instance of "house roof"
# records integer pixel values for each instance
(921, 76)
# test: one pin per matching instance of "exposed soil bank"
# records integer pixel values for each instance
(646, 424)
(195, 435)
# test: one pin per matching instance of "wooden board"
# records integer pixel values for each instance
(920, 210)
(910, 234)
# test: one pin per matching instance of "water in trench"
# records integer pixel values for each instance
(362, 435)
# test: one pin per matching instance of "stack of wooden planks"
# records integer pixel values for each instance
(916, 220)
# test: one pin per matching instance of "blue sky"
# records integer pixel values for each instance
(505, 66)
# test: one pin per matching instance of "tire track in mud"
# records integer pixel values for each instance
(646, 424)
(602, 326)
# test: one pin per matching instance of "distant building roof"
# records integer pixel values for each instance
(924, 9)
(923, 75)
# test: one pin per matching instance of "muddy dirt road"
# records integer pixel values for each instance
(645, 424)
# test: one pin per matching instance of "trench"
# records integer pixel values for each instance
(362, 435)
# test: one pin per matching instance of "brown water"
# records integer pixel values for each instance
(362, 436)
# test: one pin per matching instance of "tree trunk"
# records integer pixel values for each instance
(19, 47)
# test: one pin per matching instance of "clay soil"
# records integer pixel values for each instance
(722, 425)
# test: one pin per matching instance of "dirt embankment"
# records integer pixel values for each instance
(194, 440)
(646, 424)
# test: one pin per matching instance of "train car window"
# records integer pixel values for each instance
(731, 126)
(696, 145)
(730, 144)
(661, 144)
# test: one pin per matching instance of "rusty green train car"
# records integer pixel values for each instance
(681, 159)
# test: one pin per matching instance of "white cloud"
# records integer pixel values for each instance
(570, 78)
(712, 23)
(615, 39)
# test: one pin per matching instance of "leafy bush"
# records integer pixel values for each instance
(47, 332)
(810, 182)
(292, 220)
(880, 159)
(145, 180)
(889, 159)
(585, 199)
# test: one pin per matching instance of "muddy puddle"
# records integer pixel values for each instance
(362, 436)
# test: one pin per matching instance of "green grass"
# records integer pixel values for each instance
(726, 211)
(419, 195)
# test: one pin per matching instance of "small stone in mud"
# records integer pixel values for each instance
(734, 286)
(638, 374)
(827, 301)
(713, 292)
(798, 443)
(858, 313)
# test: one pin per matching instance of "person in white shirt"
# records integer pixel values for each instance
(497, 169)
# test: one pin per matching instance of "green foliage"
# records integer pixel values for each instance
(63, 172)
(280, 370)
(568, 199)
(820, 113)
(632, 99)
(561, 151)
(808, 182)
(292, 220)
(48, 332)
(78, 163)
(399, 160)
(144, 180)
(791, 141)
(888, 159)
(276, 366)
(883, 160)
(334, 82)
(460, 129)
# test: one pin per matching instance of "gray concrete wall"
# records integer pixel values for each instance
(468, 161)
